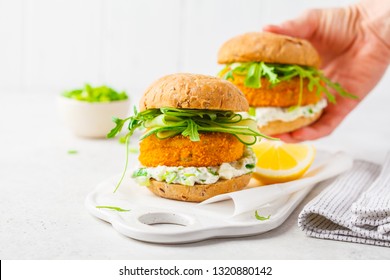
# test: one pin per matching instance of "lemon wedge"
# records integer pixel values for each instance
(279, 162)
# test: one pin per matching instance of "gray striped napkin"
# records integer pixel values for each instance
(355, 207)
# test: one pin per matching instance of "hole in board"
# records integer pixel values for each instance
(164, 220)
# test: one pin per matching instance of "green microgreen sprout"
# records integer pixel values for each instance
(95, 94)
(115, 208)
(168, 122)
(275, 73)
(126, 164)
(261, 218)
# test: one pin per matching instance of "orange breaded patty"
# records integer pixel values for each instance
(213, 149)
(283, 94)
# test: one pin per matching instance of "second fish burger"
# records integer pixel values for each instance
(279, 76)
(196, 140)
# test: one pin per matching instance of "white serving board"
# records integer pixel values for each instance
(159, 220)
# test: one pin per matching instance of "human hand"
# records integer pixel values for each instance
(351, 54)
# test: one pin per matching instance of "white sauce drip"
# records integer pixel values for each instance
(265, 115)
(190, 176)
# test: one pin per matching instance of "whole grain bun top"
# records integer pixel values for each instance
(268, 47)
(193, 91)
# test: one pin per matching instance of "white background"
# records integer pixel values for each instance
(47, 46)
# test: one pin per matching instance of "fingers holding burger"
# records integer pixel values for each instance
(280, 78)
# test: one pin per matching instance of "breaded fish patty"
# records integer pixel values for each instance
(213, 149)
(283, 94)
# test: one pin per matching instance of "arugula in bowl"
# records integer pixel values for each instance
(96, 94)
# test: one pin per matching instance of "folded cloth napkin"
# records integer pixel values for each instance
(273, 196)
(372, 209)
(355, 207)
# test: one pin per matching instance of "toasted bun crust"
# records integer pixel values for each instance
(268, 47)
(193, 91)
(278, 127)
(197, 192)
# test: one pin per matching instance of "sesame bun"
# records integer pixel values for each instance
(193, 91)
(278, 127)
(198, 193)
(268, 47)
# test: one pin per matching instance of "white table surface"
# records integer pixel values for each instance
(43, 188)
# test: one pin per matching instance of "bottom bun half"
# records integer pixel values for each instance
(279, 127)
(198, 193)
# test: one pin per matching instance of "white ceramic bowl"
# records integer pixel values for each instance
(92, 120)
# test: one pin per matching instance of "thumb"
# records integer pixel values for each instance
(301, 27)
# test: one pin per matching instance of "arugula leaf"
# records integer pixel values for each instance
(191, 131)
(228, 76)
(135, 121)
(95, 94)
(275, 73)
(119, 124)
(261, 218)
(337, 87)
(268, 71)
(253, 78)
(112, 208)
